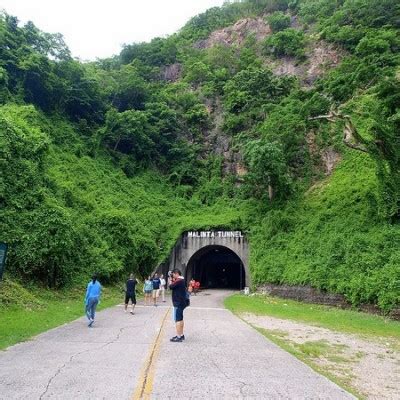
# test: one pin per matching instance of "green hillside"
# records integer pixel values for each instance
(69, 213)
(279, 118)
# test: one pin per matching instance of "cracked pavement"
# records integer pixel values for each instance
(221, 358)
(224, 358)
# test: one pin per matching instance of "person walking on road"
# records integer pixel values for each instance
(179, 301)
(92, 298)
(162, 287)
(148, 290)
(156, 288)
(130, 293)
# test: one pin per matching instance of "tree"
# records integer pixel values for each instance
(253, 87)
(129, 132)
(160, 51)
(197, 73)
(132, 90)
(46, 44)
(37, 81)
(286, 125)
(268, 171)
(4, 92)
(381, 142)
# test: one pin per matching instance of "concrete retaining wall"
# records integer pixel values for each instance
(308, 294)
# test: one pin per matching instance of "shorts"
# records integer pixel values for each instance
(130, 296)
(156, 293)
(178, 314)
(148, 291)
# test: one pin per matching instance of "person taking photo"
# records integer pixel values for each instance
(179, 301)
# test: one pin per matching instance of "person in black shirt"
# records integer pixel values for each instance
(130, 293)
(156, 288)
(179, 301)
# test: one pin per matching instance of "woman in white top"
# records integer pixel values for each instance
(162, 287)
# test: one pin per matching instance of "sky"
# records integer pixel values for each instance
(97, 29)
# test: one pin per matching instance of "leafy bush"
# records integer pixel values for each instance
(12, 293)
(289, 42)
(278, 21)
(312, 10)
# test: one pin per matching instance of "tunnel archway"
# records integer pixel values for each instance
(216, 266)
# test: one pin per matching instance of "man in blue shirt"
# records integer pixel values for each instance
(92, 298)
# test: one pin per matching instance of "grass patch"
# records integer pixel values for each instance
(315, 348)
(347, 321)
(322, 349)
(337, 359)
(279, 333)
(50, 309)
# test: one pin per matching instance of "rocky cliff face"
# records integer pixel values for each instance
(171, 73)
(237, 33)
(219, 143)
(320, 57)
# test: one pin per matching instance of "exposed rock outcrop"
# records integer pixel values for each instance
(237, 33)
(320, 57)
(326, 158)
(219, 143)
(171, 73)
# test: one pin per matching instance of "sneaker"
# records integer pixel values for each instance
(132, 313)
(90, 323)
(177, 339)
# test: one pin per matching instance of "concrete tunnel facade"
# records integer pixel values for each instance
(218, 259)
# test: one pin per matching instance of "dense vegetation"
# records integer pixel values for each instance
(104, 164)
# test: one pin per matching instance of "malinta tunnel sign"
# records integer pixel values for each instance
(215, 234)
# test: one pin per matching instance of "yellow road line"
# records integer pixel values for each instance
(144, 387)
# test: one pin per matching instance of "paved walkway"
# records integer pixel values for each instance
(130, 357)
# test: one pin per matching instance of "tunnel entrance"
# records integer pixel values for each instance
(216, 267)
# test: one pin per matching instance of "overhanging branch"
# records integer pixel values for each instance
(351, 137)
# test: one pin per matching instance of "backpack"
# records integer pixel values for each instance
(187, 299)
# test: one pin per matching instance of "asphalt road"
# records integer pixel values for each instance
(131, 357)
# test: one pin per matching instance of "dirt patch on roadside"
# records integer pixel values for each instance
(371, 365)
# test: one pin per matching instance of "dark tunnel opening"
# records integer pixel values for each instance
(216, 267)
